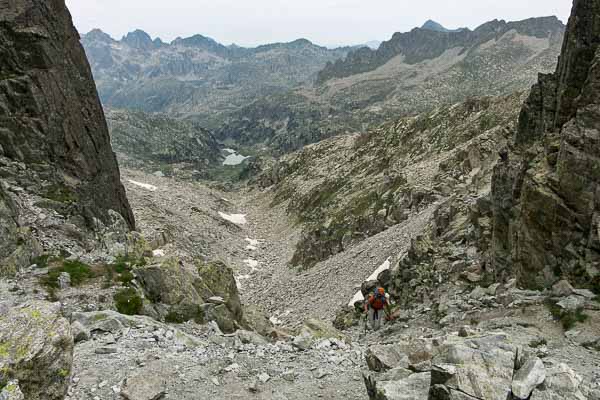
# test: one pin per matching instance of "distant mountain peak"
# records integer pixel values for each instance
(99, 35)
(436, 26)
(139, 40)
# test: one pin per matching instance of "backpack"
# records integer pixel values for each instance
(377, 301)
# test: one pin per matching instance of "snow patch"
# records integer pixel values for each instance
(239, 219)
(146, 186)
(359, 296)
(234, 158)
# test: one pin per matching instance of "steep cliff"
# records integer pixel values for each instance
(54, 141)
(546, 197)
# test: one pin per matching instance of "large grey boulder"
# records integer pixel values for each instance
(170, 286)
(384, 357)
(528, 377)
(561, 383)
(478, 367)
(36, 348)
(413, 387)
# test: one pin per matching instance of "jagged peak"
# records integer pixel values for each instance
(98, 35)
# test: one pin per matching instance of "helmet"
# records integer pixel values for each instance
(381, 290)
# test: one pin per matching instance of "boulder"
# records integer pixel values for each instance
(313, 330)
(562, 383)
(171, 285)
(478, 367)
(414, 387)
(528, 377)
(256, 320)
(562, 289)
(80, 332)
(248, 337)
(36, 348)
(219, 279)
(385, 357)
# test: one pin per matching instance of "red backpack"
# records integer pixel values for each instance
(377, 301)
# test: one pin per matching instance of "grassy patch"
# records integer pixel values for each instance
(79, 272)
(128, 302)
(568, 319)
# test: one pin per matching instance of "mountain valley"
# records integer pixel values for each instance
(210, 220)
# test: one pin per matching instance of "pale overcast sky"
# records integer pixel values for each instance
(326, 22)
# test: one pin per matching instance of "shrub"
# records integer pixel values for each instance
(79, 272)
(128, 302)
(126, 277)
(567, 318)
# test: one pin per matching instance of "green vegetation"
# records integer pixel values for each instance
(41, 261)
(567, 318)
(128, 302)
(79, 272)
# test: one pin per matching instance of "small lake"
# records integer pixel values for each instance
(233, 157)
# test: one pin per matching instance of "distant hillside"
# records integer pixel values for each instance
(433, 40)
(197, 74)
(411, 73)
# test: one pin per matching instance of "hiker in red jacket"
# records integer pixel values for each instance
(375, 305)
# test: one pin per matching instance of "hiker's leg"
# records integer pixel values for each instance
(371, 318)
(377, 320)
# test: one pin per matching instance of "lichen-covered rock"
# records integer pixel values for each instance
(11, 391)
(171, 285)
(36, 348)
(219, 279)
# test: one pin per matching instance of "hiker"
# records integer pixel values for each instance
(375, 306)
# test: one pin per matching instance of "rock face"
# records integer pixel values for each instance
(53, 136)
(161, 140)
(545, 192)
(36, 348)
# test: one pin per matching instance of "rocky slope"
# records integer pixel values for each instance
(196, 75)
(349, 188)
(545, 192)
(157, 141)
(56, 163)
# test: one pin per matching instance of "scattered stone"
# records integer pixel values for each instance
(105, 350)
(64, 280)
